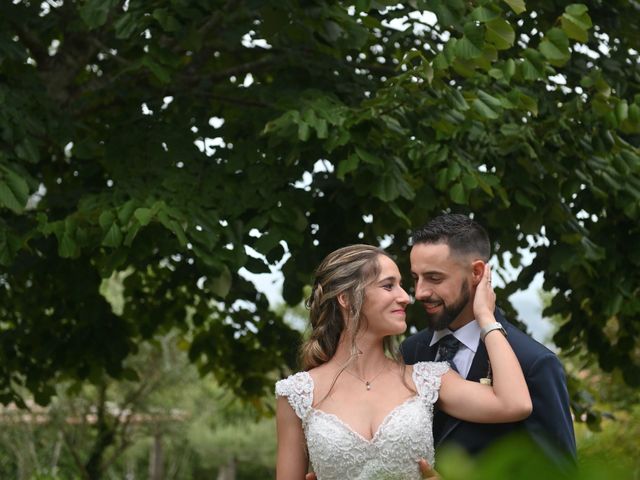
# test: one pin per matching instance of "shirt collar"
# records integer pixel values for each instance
(469, 335)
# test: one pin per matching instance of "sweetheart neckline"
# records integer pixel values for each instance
(380, 427)
(347, 426)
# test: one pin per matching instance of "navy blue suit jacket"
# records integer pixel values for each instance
(549, 425)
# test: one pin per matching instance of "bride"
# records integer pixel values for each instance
(357, 413)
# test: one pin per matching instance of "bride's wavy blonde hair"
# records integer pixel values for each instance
(346, 271)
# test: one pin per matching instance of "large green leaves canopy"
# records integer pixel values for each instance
(169, 144)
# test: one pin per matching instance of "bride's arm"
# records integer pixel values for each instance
(292, 461)
(508, 400)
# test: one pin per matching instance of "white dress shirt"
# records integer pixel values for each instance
(469, 337)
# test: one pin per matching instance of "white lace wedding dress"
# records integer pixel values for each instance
(405, 435)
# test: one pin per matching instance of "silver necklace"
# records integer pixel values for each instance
(367, 383)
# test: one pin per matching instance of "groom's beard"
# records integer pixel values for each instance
(444, 318)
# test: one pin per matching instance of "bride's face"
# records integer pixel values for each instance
(385, 301)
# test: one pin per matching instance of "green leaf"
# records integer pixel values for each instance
(457, 194)
(484, 110)
(496, 73)
(493, 102)
(469, 181)
(393, 124)
(369, 158)
(500, 33)
(524, 201)
(67, 246)
(27, 150)
(517, 6)
(17, 185)
(385, 188)
(576, 9)
(143, 215)
(399, 213)
(536, 58)
(634, 113)
(130, 374)
(9, 245)
(470, 46)
(555, 47)
(322, 128)
(509, 69)
(256, 265)
(167, 21)
(125, 212)
(483, 14)
(622, 110)
(113, 237)
(106, 219)
(95, 12)
(576, 28)
(161, 73)
(441, 179)
(221, 285)
(458, 100)
(304, 132)
(133, 230)
(529, 70)
(440, 62)
(8, 198)
(453, 172)
(337, 138)
(127, 25)
(465, 49)
(529, 103)
(347, 165)
(363, 5)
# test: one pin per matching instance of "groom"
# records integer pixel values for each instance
(442, 255)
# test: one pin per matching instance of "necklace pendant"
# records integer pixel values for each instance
(368, 385)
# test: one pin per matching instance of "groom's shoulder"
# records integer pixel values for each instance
(412, 346)
(419, 337)
(526, 348)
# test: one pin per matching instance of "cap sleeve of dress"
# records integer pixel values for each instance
(427, 376)
(298, 390)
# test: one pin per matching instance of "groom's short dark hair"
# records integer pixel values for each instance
(462, 234)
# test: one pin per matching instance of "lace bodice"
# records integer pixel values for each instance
(404, 436)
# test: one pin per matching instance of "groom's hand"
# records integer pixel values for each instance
(310, 476)
(426, 470)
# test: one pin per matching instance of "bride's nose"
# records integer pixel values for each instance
(403, 298)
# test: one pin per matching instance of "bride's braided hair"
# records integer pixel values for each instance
(346, 271)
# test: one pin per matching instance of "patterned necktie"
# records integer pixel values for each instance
(447, 348)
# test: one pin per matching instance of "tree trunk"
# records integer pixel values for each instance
(228, 471)
(156, 460)
(104, 439)
(56, 454)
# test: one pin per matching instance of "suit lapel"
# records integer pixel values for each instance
(480, 364)
(443, 424)
(431, 351)
(424, 352)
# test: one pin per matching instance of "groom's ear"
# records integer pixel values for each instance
(477, 270)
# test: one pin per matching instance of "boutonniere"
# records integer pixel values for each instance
(488, 379)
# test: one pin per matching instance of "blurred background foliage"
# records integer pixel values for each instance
(168, 424)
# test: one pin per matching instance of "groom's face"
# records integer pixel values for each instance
(441, 285)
